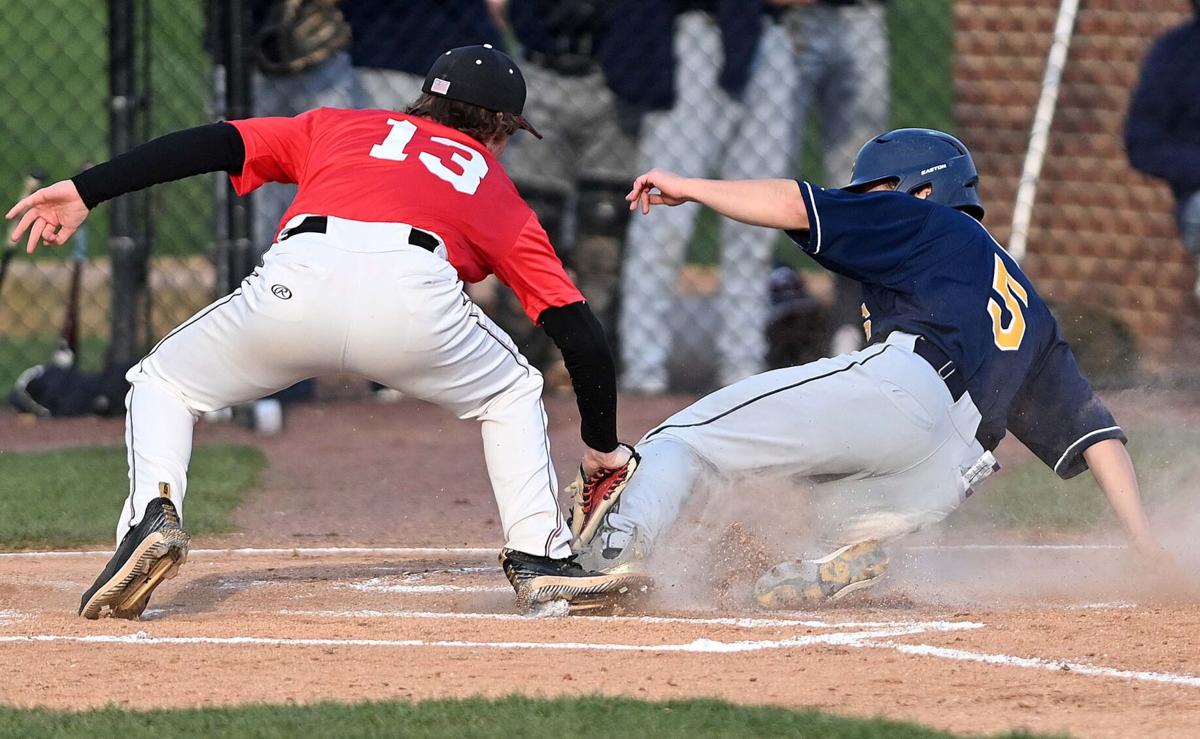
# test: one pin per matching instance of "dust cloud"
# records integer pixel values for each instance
(732, 531)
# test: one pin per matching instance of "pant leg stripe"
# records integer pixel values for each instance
(558, 517)
(132, 462)
(776, 391)
(193, 319)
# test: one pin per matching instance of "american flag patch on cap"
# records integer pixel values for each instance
(440, 86)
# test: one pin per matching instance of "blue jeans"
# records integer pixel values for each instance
(330, 84)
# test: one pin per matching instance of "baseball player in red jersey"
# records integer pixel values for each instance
(394, 211)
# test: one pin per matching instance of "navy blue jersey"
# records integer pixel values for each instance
(930, 270)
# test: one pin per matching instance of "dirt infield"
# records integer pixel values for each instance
(363, 575)
(302, 626)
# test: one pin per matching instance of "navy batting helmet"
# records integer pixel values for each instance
(915, 157)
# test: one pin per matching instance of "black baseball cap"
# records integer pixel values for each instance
(483, 76)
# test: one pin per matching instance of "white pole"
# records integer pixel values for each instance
(1042, 118)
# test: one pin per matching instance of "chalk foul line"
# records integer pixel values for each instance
(697, 646)
(871, 635)
(1079, 668)
(744, 623)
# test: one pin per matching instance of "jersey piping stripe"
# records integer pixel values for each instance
(776, 391)
(816, 218)
(1079, 441)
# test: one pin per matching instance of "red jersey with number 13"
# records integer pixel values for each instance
(383, 166)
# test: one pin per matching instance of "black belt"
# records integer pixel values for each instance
(943, 365)
(319, 224)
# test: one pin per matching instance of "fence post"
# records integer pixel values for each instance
(128, 266)
(232, 90)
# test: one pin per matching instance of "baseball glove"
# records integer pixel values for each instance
(298, 35)
(595, 496)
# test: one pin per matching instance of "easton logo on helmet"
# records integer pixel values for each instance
(933, 169)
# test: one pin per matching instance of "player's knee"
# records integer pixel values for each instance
(148, 378)
(528, 387)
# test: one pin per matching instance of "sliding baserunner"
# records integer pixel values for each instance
(960, 350)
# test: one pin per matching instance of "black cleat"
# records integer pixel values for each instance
(539, 580)
(151, 552)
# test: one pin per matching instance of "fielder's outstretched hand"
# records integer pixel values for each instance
(657, 187)
(51, 215)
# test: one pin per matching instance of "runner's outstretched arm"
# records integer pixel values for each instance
(770, 203)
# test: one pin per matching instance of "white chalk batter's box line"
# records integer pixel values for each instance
(872, 635)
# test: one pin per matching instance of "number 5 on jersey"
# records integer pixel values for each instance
(474, 166)
(1016, 299)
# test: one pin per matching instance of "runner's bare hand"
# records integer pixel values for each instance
(657, 187)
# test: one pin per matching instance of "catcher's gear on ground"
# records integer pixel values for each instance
(539, 580)
(595, 496)
(298, 35)
(151, 552)
(804, 583)
(59, 389)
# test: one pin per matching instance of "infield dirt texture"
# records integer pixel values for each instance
(366, 570)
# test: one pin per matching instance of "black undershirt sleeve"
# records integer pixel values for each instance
(585, 350)
(215, 147)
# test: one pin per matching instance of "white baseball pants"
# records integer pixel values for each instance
(359, 299)
(876, 431)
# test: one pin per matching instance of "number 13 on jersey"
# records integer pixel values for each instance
(474, 166)
(1016, 299)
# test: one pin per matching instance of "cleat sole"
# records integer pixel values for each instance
(128, 591)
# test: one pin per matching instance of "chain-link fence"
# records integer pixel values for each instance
(146, 258)
(730, 88)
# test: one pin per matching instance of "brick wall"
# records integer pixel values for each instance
(1102, 235)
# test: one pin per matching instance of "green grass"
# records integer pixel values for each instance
(1028, 497)
(56, 117)
(73, 497)
(597, 717)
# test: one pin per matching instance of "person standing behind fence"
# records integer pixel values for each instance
(842, 58)
(729, 109)
(572, 59)
(302, 62)
(395, 42)
(1162, 133)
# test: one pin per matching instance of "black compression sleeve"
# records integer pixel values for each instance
(589, 361)
(216, 147)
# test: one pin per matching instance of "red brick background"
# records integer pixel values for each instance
(1102, 235)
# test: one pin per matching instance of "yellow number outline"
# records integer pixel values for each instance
(1008, 339)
